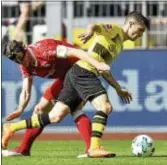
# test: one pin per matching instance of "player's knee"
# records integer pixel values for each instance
(58, 113)
(108, 108)
(38, 109)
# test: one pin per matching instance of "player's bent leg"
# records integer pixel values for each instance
(44, 106)
(58, 112)
(103, 107)
(31, 134)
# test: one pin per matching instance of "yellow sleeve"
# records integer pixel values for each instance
(103, 29)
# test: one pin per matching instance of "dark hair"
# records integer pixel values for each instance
(13, 47)
(138, 17)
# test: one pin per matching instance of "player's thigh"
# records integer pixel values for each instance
(44, 106)
(102, 103)
(53, 90)
(68, 95)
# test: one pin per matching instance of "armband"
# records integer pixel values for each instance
(61, 51)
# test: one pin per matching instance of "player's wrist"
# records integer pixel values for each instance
(20, 108)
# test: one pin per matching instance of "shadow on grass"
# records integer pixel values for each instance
(161, 156)
(131, 156)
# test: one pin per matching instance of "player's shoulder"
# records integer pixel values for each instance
(43, 43)
(115, 27)
(110, 27)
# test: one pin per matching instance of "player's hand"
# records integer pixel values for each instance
(14, 115)
(125, 96)
(85, 36)
(101, 67)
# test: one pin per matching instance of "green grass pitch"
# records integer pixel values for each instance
(65, 152)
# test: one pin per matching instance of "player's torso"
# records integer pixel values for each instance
(104, 48)
(46, 69)
(47, 64)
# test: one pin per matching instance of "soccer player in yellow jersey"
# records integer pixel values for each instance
(82, 84)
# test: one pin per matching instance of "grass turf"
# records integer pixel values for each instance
(65, 152)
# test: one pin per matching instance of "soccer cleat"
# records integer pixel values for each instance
(13, 152)
(100, 153)
(82, 156)
(7, 134)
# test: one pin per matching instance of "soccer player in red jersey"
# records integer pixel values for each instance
(47, 58)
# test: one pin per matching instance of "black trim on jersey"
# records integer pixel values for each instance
(101, 50)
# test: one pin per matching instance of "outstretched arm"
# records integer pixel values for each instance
(83, 55)
(125, 95)
(64, 52)
(24, 99)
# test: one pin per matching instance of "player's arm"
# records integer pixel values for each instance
(125, 95)
(92, 28)
(89, 32)
(24, 98)
(64, 52)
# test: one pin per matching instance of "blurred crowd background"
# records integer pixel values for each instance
(34, 20)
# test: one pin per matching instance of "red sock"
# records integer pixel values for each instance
(84, 127)
(29, 137)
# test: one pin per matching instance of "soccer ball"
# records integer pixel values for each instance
(143, 145)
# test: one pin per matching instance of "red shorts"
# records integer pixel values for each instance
(53, 90)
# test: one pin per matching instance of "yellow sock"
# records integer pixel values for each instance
(34, 122)
(98, 126)
(18, 126)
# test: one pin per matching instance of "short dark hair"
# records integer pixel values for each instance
(13, 47)
(138, 17)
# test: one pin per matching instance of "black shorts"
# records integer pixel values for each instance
(80, 84)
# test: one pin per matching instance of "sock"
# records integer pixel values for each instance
(84, 127)
(29, 137)
(36, 121)
(98, 126)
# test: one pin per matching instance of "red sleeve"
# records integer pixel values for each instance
(24, 71)
(53, 90)
(46, 48)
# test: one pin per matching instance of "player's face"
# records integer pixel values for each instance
(18, 58)
(135, 31)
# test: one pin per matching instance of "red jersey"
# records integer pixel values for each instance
(47, 64)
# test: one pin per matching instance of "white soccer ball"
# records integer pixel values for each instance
(143, 145)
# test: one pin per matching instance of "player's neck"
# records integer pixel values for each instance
(32, 58)
(28, 60)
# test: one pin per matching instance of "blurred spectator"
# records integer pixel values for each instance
(24, 23)
(159, 21)
(161, 24)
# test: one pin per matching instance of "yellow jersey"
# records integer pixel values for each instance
(106, 46)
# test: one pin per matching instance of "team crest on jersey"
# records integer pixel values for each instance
(108, 26)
